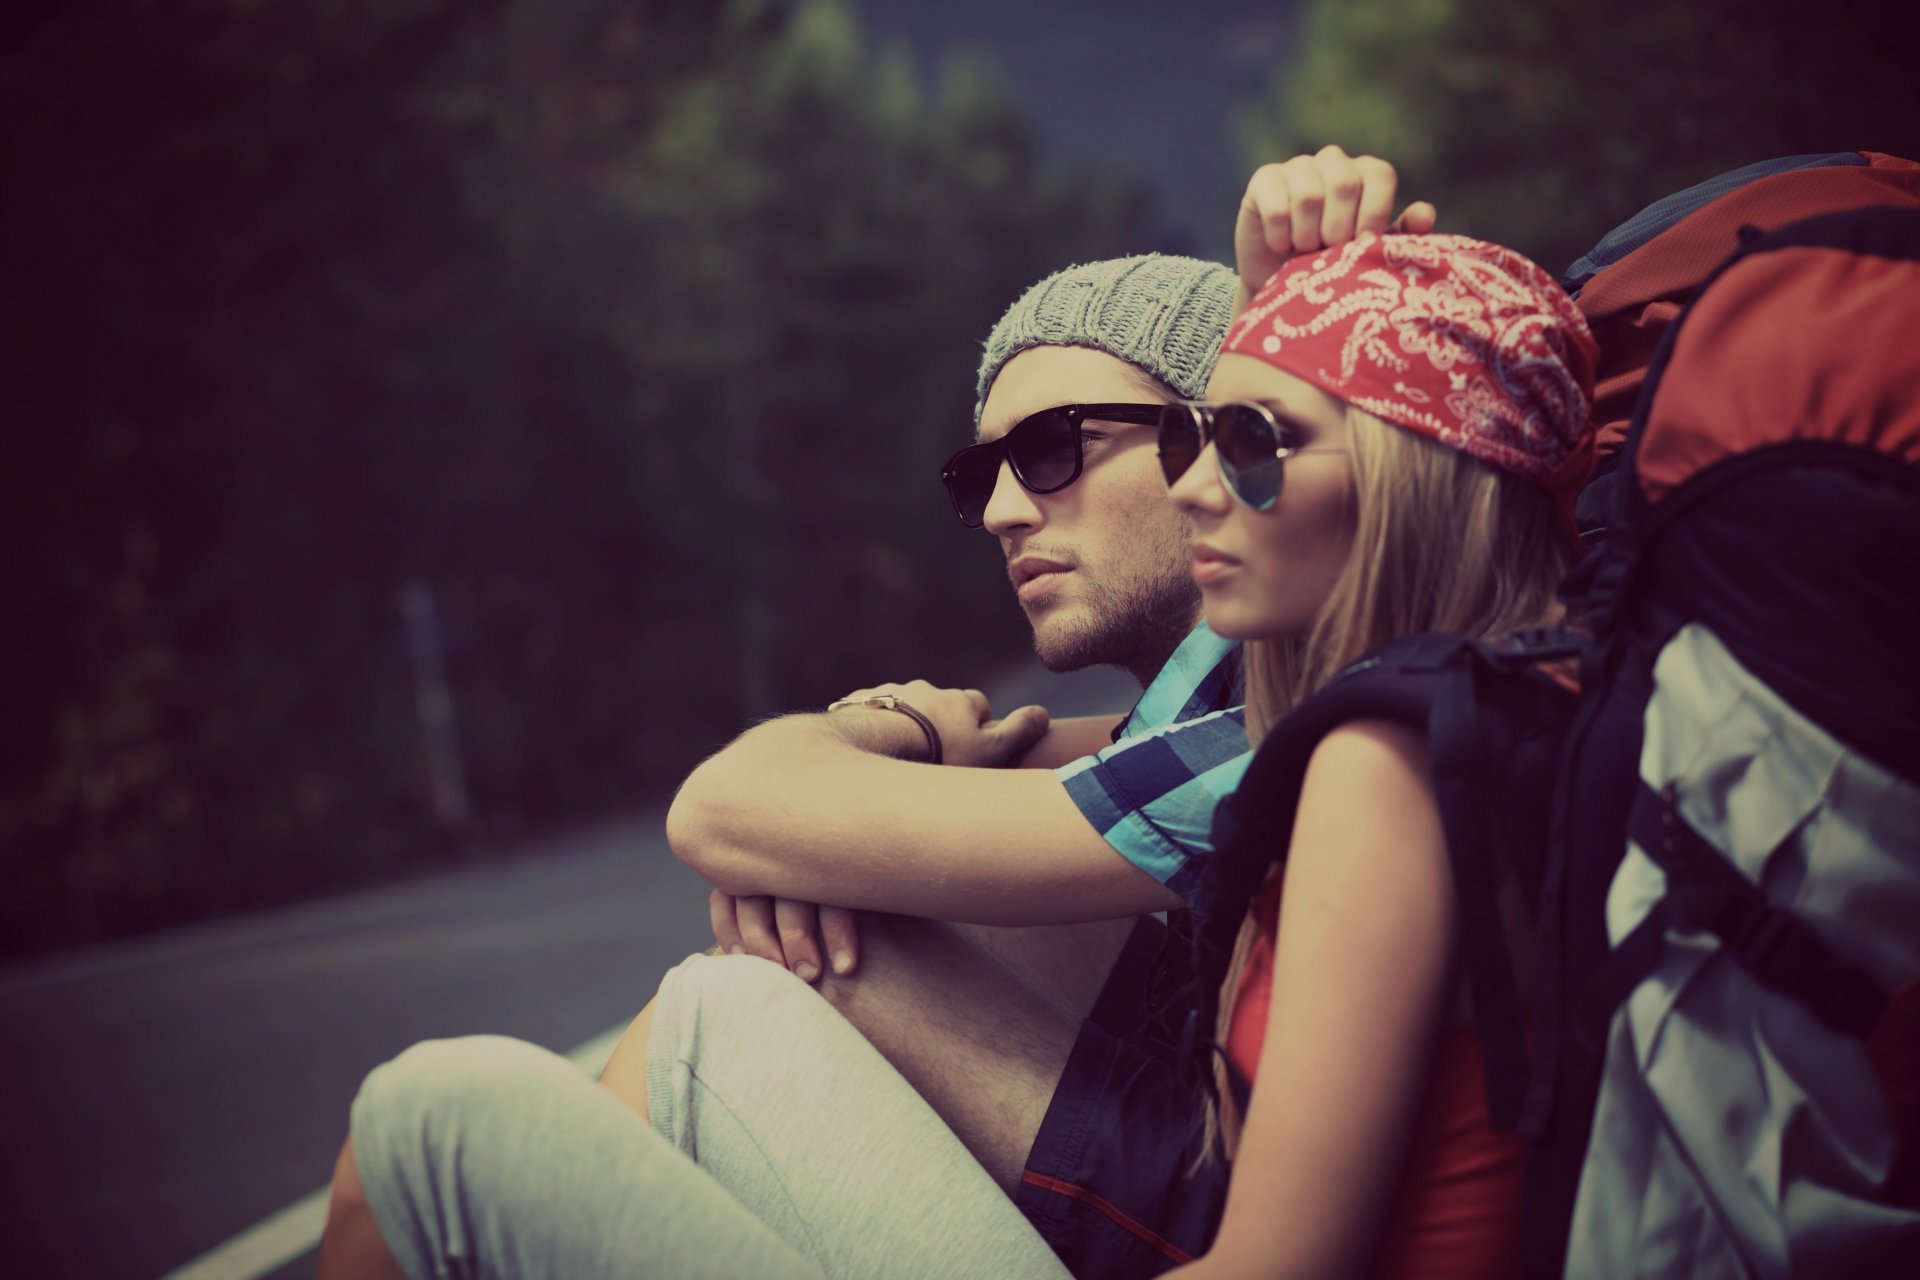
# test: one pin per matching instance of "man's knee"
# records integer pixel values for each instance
(713, 1003)
(721, 986)
(448, 1071)
(434, 1092)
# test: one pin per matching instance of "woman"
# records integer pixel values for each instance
(1392, 437)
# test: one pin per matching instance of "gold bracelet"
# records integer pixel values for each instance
(887, 702)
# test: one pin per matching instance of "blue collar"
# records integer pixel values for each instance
(1202, 676)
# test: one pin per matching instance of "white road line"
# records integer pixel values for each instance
(266, 1246)
(278, 1239)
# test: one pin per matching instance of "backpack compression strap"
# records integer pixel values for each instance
(1707, 893)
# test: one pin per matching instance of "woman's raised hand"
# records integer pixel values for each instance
(1312, 202)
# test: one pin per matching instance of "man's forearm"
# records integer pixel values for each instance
(874, 730)
(722, 808)
(1068, 740)
(806, 807)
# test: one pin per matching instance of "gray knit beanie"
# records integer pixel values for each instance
(1166, 315)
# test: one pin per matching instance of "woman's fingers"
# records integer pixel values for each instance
(1263, 235)
(1373, 207)
(1306, 203)
(1418, 219)
(1343, 195)
(1315, 202)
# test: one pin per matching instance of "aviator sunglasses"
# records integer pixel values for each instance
(1044, 449)
(1251, 445)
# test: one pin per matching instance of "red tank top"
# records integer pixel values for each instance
(1457, 1212)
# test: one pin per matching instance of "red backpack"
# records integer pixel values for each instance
(1634, 282)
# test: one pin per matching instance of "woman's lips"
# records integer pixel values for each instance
(1210, 565)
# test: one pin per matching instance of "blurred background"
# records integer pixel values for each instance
(430, 426)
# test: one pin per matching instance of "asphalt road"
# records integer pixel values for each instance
(162, 1096)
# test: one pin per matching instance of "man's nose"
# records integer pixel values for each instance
(1010, 506)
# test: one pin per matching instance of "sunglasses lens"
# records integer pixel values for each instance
(970, 475)
(1247, 445)
(1043, 451)
(1179, 440)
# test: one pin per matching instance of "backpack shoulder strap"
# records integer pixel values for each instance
(1460, 695)
(1252, 826)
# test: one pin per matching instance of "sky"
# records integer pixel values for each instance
(1135, 85)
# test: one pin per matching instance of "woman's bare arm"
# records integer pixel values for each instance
(1362, 975)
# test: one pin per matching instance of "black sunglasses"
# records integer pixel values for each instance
(1251, 445)
(1044, 450)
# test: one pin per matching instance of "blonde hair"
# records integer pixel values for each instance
(1442, 542)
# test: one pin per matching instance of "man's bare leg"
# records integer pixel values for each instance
(1066, 965)
(979, 1021)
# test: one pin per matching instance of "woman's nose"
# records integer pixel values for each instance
(1198, 489)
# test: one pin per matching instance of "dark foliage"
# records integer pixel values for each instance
(634, 331)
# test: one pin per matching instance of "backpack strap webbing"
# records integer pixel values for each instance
(1707, 893)
(1465, 782)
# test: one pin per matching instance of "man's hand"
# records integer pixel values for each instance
(1314, 202)
(968, 733)
(808, 938)
(799, 936)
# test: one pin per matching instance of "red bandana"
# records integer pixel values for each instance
(1454, 338)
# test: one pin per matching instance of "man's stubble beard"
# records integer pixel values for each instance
(1136, 627)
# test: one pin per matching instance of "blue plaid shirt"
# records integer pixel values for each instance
(1151, 795)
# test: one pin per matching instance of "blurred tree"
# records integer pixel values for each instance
(636, 329)
(1542, 123)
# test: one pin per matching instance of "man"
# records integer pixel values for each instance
(983, 1020)
(1013, 1033)
(1016, 1035)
